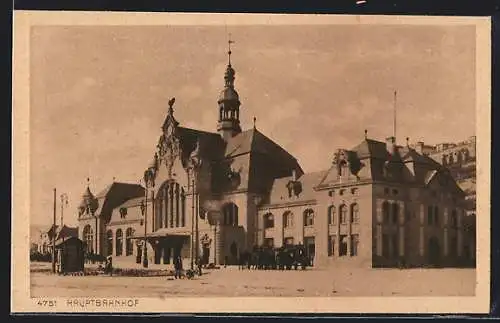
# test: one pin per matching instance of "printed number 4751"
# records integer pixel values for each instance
(45, 302)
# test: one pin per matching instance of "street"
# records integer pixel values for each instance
(234, 282)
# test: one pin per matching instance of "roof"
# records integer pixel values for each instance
(279, 191)
(252, 140)
(133, 202)
(211, 144)
(404, 164)
(371, 148)
(117, 186)
(67, 232)
(60, 242)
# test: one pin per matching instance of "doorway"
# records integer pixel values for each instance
(233, 249)
(310, 248)
(434, 252)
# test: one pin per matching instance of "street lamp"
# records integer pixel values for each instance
(54, 236)
(196, 163)
(257, 199)
(149, 177)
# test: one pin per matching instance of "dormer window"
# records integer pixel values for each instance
(294, 188)
(123, 213)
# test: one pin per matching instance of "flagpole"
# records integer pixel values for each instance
(395, 116)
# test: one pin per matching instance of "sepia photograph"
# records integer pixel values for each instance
(250, 160)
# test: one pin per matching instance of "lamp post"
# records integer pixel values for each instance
(195, 167)
(148, 179)
(257, 200)
(54, 236)
(64, 202)
(192, 221)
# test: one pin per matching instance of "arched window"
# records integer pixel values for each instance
(170, 206)
(385, 212)
(450, 159)
(128, 242)
(308, 217)
(268, 221)
(88, 237)
(395, 213)
(230, 213)
(109, 242)
(331, 215)
(465, 155)
(119, 242)
(354, 213)
(459, 156)
(343, 214)
(287, 219)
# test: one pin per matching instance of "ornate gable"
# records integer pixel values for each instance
(169, 145)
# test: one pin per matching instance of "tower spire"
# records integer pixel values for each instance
(229, 101)
(229, 42)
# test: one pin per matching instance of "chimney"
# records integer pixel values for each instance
(420, 147)
(390, 143)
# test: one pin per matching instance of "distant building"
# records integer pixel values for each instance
(460, 159)
(379, 204)
(44, 242)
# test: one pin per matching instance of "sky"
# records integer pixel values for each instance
(98, 94)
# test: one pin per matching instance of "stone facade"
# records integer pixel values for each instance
(379, 204)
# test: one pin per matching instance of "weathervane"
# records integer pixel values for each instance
(229, 42)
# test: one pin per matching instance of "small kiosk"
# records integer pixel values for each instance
(70, 255)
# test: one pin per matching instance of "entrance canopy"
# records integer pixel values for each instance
(163, 233)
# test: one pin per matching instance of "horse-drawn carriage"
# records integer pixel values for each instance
(267, 258)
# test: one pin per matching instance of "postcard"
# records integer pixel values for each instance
(240, 163)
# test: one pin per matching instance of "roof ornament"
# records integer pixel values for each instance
(254, 121)
(170, 106)
(366, 134)
(407, 141)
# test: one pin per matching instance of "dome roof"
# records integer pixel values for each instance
(229, 94)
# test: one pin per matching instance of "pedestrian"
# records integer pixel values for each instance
(198, 264)
(108, 266)
(178, 267)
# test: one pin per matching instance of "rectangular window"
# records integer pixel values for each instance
(343, 246)
(331, 246)
(430, 216)
(288, 222)
(354, 244)
(269, 242)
